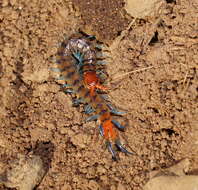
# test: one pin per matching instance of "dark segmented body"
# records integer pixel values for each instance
(71, 75)
(69, 62)
(84, 51)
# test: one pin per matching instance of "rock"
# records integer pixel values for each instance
(143, 8)
(172, 183)
(24, 173)
(173, 178)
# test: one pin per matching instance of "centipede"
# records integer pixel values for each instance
(79, 62)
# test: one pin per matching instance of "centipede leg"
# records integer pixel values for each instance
(79, 57)
(66, 86)
(99, 46)
(92, 118)
(88, 109)
(110, 148)
(52, 59)
(91, 37)
(118, 125)
(105, 97)
(60, 78)
(114, 111)
(101, 75)
(101, 130)
(121, 148)
(100, 55)
(101, 62)
(65, 37)
(77, 101)
(57, 70)
(67, 89)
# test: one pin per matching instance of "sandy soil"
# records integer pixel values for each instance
(160, 94)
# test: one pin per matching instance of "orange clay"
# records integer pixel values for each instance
(92, 82)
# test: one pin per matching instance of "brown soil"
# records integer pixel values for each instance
(161, 99)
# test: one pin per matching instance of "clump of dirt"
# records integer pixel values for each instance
(103, 18)
(153, 72)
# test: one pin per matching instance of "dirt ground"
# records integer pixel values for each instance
(160, 93)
